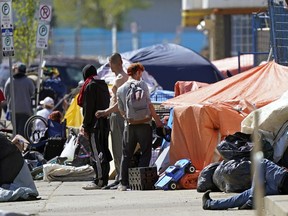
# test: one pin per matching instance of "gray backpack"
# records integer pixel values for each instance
(137, 107)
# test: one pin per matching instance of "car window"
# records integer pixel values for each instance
(74, 74)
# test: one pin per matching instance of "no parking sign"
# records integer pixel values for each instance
(6, 28)
(45, 15)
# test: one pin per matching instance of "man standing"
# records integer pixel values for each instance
(116, 120)
(22, 96)
(137, 126)
(94, 95)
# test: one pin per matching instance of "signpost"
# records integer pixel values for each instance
(8, 48)
(45, 16)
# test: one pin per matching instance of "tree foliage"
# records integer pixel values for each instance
(25, 27)
(94, 13)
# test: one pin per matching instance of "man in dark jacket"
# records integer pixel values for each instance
(94, 95)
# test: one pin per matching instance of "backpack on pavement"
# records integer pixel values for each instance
(137, 106)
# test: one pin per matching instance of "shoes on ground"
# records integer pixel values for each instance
(91, 186)
(115, 187)
(122, 187)
(112, 186)
(205, 200)
(246, 206)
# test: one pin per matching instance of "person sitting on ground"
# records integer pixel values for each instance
(275, 179)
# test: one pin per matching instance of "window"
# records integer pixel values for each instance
(241, 34)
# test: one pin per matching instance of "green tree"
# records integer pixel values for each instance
(94, 13)
(25, 27)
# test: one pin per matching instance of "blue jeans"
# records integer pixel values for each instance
(271, 175)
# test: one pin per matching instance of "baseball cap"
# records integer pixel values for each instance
(47, 101)
(21, 67)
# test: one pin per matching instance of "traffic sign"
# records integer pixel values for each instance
(7, 42)
(42, 35)
(6, 14)
(45, 13)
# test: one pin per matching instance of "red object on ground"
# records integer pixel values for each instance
(189, 181)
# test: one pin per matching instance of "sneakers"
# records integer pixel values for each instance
(205, 200)
(122, 187)
(247, 206)
(112, 186)
(91, 186)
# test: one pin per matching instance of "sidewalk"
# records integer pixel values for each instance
(67, 198)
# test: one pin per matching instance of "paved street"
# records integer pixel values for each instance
(67, 198)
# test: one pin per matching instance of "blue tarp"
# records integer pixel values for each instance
(169, 63)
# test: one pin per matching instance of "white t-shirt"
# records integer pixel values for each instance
(39, 125)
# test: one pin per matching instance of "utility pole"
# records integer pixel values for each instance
(78, 29)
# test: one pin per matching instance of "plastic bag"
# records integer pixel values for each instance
(69, 148)
(205, 179)
(233, 176)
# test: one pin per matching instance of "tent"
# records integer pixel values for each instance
(204, 117)
(169, 63)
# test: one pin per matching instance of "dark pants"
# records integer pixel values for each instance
(21, 119)
(133, 134)
(100, 151)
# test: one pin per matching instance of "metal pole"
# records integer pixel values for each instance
(258, 177)
(114, 37)
(39, 79)
(12, 98)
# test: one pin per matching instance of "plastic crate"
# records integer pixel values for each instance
(143, 178)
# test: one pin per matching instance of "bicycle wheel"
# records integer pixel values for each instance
(35, 128)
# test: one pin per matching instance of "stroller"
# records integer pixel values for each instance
(48, 140)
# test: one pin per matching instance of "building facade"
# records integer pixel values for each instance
(227, 23)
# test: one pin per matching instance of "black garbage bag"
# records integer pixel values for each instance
(233, 176)
(205, 179)
(240, 145)
(235, 146)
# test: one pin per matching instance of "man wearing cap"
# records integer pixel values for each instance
(94, 95)
(48, 105)
(275, 182)
(23, 92)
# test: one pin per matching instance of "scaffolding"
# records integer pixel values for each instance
(278, 14)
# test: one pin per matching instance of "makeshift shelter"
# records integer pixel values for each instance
(169, 63)
(182, 87)
(205, 116)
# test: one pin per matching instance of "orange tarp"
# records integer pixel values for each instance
(182, 87)
(205, 116)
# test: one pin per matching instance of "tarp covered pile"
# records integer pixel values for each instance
(204, 117)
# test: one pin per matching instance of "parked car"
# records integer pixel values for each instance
(172, 175)
(69, 68)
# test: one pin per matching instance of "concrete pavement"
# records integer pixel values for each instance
(67, 198)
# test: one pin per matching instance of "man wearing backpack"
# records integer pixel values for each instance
(94, 95)
(135, 106)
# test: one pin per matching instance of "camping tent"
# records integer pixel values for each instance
(205, 116)
(169, 63)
